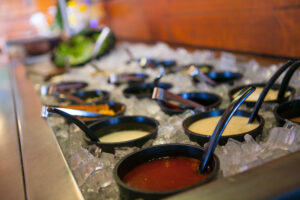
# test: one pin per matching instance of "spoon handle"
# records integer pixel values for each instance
(266, 89)
(164, 95)
(285, 81)
(71, 97)
(100, 41)
(76, 121)
(226, 117)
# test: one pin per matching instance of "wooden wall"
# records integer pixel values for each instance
(267, 27)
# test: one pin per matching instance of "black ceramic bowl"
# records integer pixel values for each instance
(141, 76)
(90, 97)
(118, 108)
(133, 160)
(208, 100)
(260, 85)
(124, 123)
(144, 90)
(202, 139)
(204, 68)
(287, 110)
(223, 77)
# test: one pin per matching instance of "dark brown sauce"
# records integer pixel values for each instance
(165, 174)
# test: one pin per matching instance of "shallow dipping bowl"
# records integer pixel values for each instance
(133, 160)
(124, 123)
(287, 110)
(118, 108)
(208, 100)
(224, 77)
(260, 85)
(95, 96)
(202, 139)
(144, 90)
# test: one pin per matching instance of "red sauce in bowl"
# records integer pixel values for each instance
(165, 174)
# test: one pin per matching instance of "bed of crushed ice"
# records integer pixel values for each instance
(92, 168)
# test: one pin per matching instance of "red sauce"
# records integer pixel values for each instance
(165, 174)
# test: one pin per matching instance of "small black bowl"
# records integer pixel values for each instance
(287, 110)
(260, 85)
(133, 160)
(118, 108)
(202, 139)
(204, 68)
(144, 90)
(90, 97)
(142, 77)
(208, 100)
(224, 77)
(124, 123)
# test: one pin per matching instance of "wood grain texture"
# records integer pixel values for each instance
(270, 27)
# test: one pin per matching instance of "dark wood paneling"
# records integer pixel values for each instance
(263, 27)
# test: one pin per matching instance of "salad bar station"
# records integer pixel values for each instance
(97, 119)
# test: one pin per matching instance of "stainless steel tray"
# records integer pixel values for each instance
(47, 175)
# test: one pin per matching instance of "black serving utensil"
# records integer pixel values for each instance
(285, 81)
(226, 117)
(290, 109)
(266, 89)
(76, 121)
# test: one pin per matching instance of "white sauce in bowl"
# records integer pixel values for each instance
(123, 136)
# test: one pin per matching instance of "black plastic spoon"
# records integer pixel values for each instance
(76, 121)
(286, 79)
(226, 117)
(267, 88)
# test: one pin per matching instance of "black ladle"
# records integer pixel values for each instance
(267, 88)
(76, 121)
(226, 117)
(285, 81)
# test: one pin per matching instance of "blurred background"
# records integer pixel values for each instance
(267, 28)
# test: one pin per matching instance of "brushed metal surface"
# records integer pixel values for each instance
(11, 181)
(47, 175)
(278, 179)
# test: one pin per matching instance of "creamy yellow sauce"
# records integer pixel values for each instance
(122, 136)
(236, 125)
(295, 119)
(271, 95)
